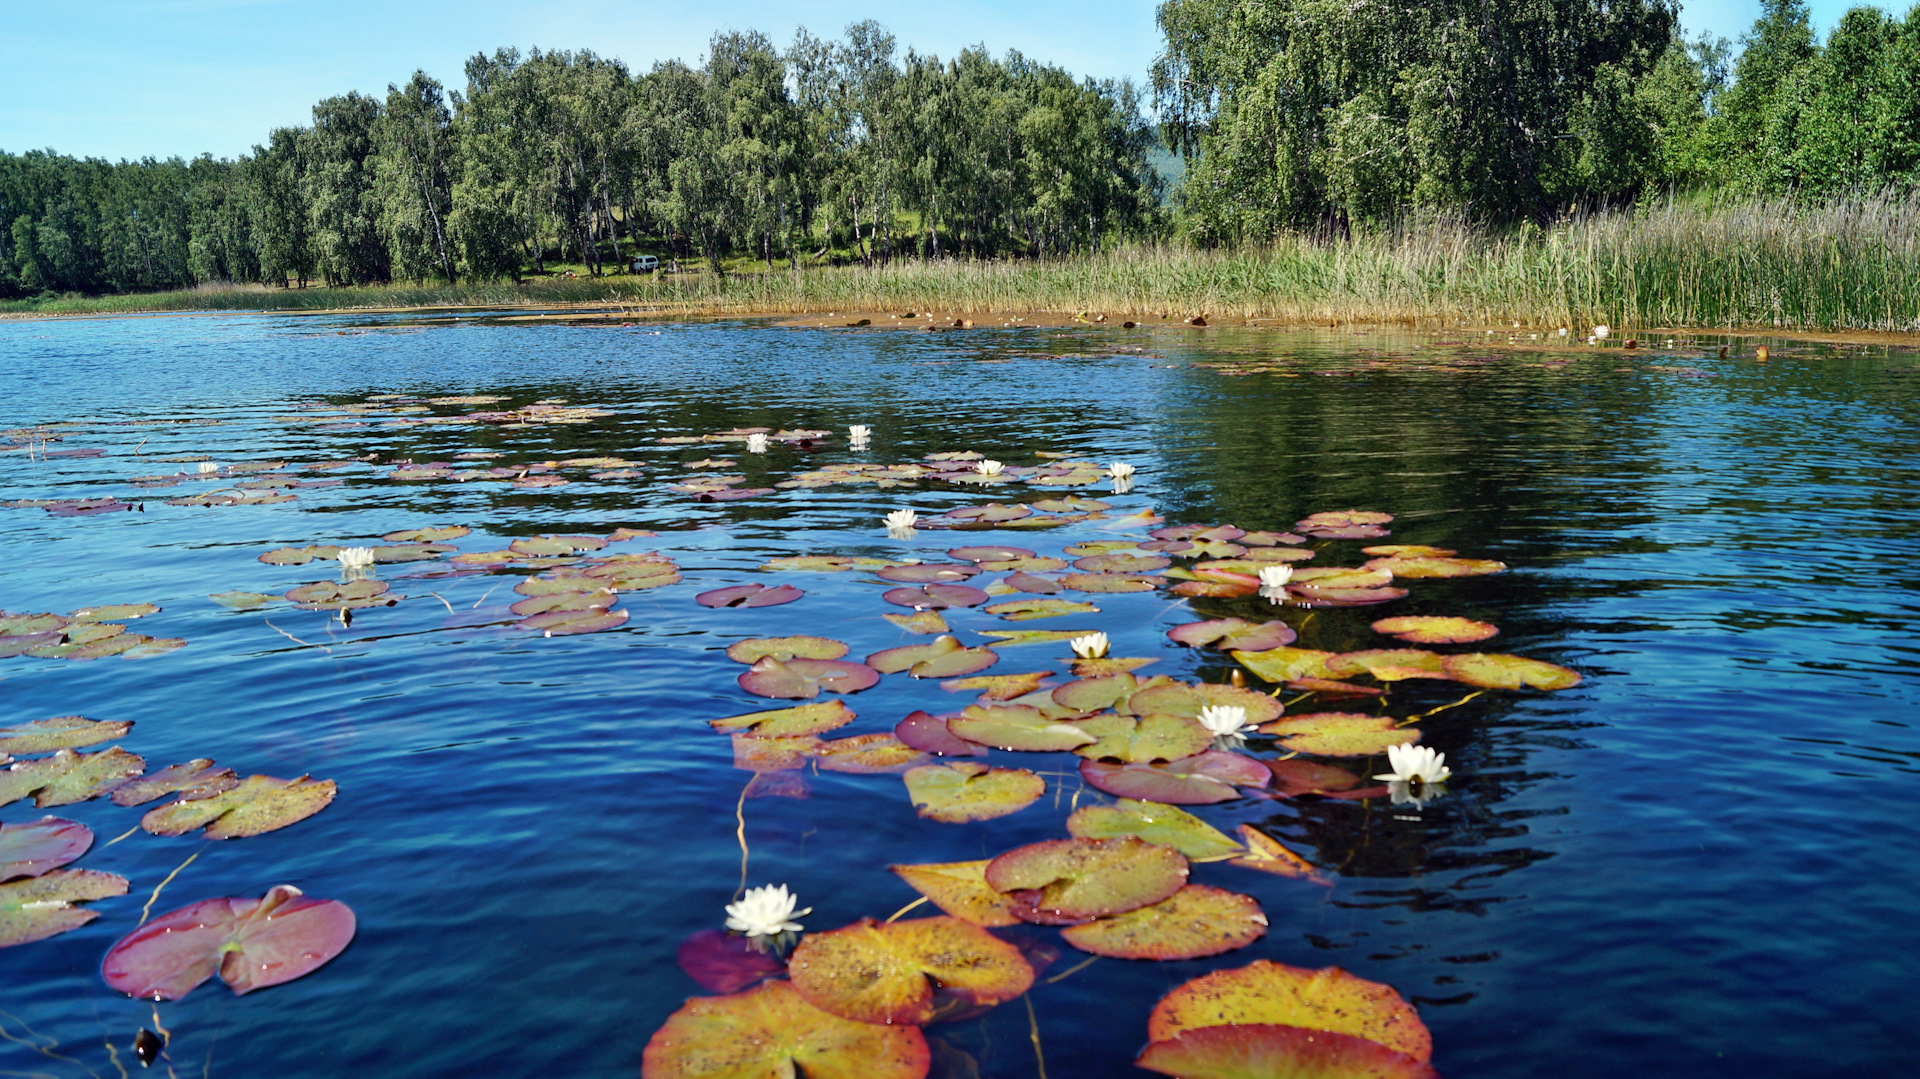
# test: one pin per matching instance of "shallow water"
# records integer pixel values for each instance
(1698, 862)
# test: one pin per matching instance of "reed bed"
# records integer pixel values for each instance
(1845, 264)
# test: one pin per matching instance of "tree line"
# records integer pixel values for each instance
(1293, 115)
(1317, 114)
(824, 149)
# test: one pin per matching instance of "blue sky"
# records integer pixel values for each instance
(166, 77)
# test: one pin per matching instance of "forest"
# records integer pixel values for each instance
(1293, 117)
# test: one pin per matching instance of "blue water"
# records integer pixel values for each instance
(1698, 862)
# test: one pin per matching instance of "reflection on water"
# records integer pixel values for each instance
(1694, 863)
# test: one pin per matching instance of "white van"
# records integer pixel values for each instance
(644, 264)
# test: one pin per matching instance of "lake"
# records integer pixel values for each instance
(1698, 861)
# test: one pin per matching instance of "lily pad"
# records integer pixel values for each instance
(935, 597)
(1313, 595)
(965, 791)
(1413, 568)
(244, 601)
(1234, 634)
(566, 623)
(764, 755)
(38, 847)
(195, 779)
(811, 563)
(1023, 610)
(552, 546)
(998, 687)
(1202, 779)
(1109, 582)
(922, 622)
(960, 889)
(1194, 922)
(943, 657)
(1266, 992)
(1294, 777)
(333, 596)
(1342, 577)
(1190, 700)
(1033, 636)
(1119, 562)
(114, 612)
(753, 649)
(439, 534)
(867, 755)
(749, 595)
(1017, 727)
(1155, 822)
(886, 973)
(1265, 854)
(1066, 881)
(723, 962)
(929, 734)
(788, 722)
(259, 804)
(68, 777)
(928, 573)
(250, 943)
(1149, 738)
(1408, 550)
(1387, 664)
(771, 1030)
(60, 732)
(1435, 629)
(1340, 734)
(1502, 671)
(1096, 694)
(1286, 664)
(1110, 665)
(990, 554)
(799, 679)
(553, 602)
(43, 906)
(1276, 1051)
(1334, 689)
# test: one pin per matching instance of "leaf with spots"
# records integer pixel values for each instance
(1194, 922)
(1065, 881)
(965, 791)
(259, 804)
(887, 973)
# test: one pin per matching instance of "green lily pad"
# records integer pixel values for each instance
(964, 791)
(1275, 1051)
(1023, 610)
(1119, 562)
(922, 622)
(1066, 881)
(943, 657)
(1286, 664)
(1342, 577)
(1408, 550)
(114, 612)
(1109, 582)
(1233, 634)
(1111, 665)
(1202, 779)
(872, 972)
(1017, 727)
(439, 534)
(1414, 568)
(1189, 700)
(960, 889)
(1340, 734)
(1033, 636)
(1156, 737)
(788, 722)
(259, 804)
(40, 907)
(771, 1030)
(60, 732)
(1502, 671)
(1266, 992)
(990, 554)
(1155, 822)
(553, 546)
(196, 779)
(1194, 922)
(998, 687)
(753, 649)
(1386, 664)
(566, 623)
(68, 777)
(1265, 854)
(867, 755)
(811, 563)
(1097, 694)
(333, 595)
(1435, 629)
(244, 601)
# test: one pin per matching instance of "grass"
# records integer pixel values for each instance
(1848, 264)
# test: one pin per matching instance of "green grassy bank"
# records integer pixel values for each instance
(1850, 264)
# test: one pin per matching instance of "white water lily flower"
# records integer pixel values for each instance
(1600, 332)
(756, 443)
(207, 467)
(1091, 646)
(1120, 470)
(859, 432)
(989, 468)
(1275, 576)
(902, 519)
(1416, 766)
(766, 912)
(355, 557)
(1225, 720)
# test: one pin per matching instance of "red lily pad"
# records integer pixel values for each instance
(197, 778)
(1033, 584)
(867, 755)
(1328, 999)
(1194, 922)
(989, 554)
(250, 943)
(1276, 1051)
(929, 734)
(560, 623)
(991, 513)
(40, 907)
(723, 962)
(749, 595)
(1205, 778)
(943, 657)
(575, 602)
(259, 804)
(928, 573)
(38, 847)
(936, 597)
(753, 649)
(1234, 634)
(872, 972)
(1294, 777)
(964, 791)
(1309, 595)
(1435, 629)
(1066, 881)
(1120, 562)
(799, 679)
(771, 1030)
